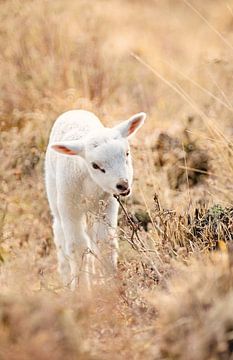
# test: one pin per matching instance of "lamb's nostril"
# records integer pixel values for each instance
(123, 185)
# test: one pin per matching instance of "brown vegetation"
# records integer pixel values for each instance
(172, 298)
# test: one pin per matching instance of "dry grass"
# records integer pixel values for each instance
(172, 298)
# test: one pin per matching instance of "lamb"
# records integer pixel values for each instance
(85, 165)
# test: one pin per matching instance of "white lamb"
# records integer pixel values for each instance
(80, 184)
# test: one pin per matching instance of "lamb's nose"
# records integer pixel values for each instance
(123, 185)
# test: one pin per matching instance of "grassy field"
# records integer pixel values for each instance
(173, 296)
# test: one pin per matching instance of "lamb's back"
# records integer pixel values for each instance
(74, 124)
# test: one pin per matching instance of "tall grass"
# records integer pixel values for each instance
(172, 297)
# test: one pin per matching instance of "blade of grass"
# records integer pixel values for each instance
(226, 42)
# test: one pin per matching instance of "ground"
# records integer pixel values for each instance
(172, 297)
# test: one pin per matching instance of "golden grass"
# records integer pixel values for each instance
(172, 298)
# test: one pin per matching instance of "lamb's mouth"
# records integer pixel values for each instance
(125, 193)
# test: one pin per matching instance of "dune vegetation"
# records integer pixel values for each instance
(172, 297)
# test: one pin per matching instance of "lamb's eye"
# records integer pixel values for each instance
(95, 166)
(127, 153)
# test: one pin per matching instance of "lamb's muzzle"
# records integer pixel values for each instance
(123, 186)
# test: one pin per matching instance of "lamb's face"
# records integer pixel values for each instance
(107, 155)
(109, 163)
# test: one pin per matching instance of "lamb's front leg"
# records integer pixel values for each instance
(104, 236)
(77, 244)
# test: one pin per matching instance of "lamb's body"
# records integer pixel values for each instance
(84, 213)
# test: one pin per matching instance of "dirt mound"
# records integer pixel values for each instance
(184, 160)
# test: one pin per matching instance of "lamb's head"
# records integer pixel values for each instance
(107, 155)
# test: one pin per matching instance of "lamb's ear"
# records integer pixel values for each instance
(69, 147)
(131, 126)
